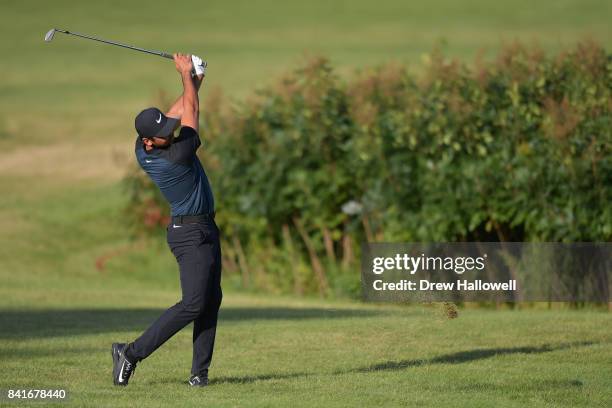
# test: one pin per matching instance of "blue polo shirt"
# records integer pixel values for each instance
(177, 171)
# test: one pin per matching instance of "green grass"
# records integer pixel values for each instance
(66, 131)
(283, 352)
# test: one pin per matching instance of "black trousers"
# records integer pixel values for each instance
(198, 253)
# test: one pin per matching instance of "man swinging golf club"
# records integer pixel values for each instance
(192, 235)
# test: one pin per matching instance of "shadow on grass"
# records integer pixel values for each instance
(464, 357)
(252, 378)
(21, 324)
(245, 379)
(453, 358)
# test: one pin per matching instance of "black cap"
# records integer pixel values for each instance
(151, 122)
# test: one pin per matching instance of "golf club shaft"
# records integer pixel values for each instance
(160, 53)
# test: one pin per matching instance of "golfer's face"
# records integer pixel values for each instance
(162, 142)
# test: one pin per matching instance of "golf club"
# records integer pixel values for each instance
(51, 33)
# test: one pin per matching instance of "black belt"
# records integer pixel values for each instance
(186, 219)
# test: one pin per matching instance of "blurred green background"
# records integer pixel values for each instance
(66, 132)
(79, 89)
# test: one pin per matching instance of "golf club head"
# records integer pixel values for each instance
(49, 35)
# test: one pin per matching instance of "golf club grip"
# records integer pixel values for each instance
(166, 55)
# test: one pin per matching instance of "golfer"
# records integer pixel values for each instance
(192, 235)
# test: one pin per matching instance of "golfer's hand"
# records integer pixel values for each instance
(183, 63)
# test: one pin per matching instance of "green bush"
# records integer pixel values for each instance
(516, 149)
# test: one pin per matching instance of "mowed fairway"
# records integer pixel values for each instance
(279, 352)
(66, 131)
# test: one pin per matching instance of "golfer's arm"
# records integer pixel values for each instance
(176, 110)
(191, 102)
